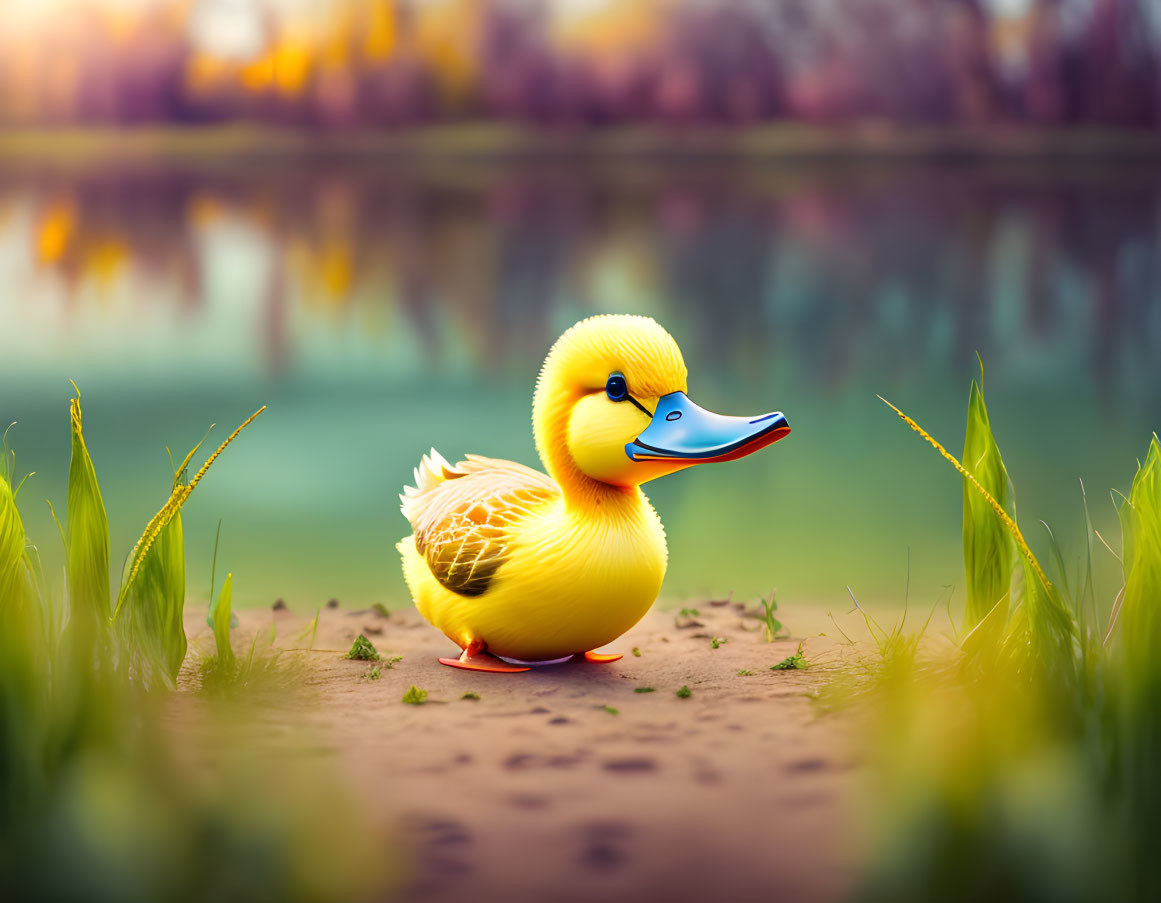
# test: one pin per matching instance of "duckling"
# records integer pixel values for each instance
(519, 567)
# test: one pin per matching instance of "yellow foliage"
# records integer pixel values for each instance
(382, 30)
(57, 228)
(291, 66)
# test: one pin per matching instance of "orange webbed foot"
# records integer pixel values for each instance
(475, 659)
(603, 658)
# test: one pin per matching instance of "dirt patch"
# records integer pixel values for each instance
(589, 781)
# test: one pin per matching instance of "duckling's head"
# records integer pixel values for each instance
(611, 407)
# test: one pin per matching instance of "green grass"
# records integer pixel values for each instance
(219, 618)
(414, 696)
(718, 641)
(1021, 760)
(309, 633)
(261, 668)
(771, 625)
(610, 709)
(363, 650)
(644, 690)
(793, 662)
(94, 803)
(684, 693)
(988, 548)
(470, 695)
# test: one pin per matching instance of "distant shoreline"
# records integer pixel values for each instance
(501, 142)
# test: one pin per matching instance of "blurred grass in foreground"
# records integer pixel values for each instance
(97, 799)
(1021, 761)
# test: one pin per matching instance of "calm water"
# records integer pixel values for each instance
(380, 310)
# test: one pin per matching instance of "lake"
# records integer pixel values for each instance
(381, 307)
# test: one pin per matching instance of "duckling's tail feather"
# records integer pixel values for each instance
(433, 469)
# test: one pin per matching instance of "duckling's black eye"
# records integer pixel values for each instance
(616, 388)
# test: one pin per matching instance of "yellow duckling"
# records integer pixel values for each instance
(518, 567)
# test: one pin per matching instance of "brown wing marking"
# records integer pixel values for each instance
(463, 525)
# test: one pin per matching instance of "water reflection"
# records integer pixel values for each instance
(428, 295)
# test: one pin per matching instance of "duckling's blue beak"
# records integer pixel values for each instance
(682, 431)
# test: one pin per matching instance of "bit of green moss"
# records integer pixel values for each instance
(611, 710)
(636, 652)
(684, 693)
(745, 672)
(415, 696)
(470, 695)
(718, 641)
(393, 661)
(690, 612)
(644, 690)
(372, 673)
(770, 621)
(362, 650)
(381, 610)
(795, 662)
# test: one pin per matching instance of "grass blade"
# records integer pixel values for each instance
(155, 604)
(1140, 614)
(219, 618)
(13, 559)
(988, 550)
(1046, 627)
(87, 530)
(159, 521)
(1009, 523)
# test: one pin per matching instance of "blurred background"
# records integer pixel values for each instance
(370, 63)
(202, 211)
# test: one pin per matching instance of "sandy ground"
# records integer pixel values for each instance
(537, 791)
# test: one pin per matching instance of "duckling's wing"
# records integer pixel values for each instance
(463, 516)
